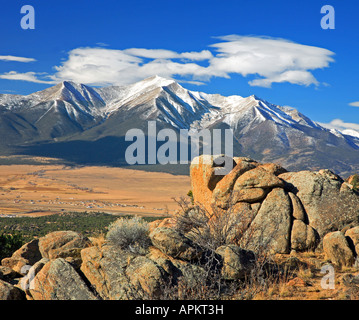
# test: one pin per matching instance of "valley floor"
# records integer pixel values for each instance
(36, 190)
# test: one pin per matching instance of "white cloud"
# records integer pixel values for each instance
(27, 76)
(151, 53)
(273, 60)
(197, 56)
(354, 104)
(196, 83)
(292, 76)
(16, 59)
(268, 60)
(99, 66)
(340, 125)
(168, 54)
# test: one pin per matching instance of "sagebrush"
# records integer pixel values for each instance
(130, 234)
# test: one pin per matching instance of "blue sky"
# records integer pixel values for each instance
(276, 49)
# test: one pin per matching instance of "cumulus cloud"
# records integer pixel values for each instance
(354, 104)
(97, 66)
(265, 60)
(100, 66)
(16, 59)
(27, 76)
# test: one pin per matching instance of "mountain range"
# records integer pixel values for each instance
(87, 125)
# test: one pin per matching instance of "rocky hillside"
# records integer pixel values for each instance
(222, 245)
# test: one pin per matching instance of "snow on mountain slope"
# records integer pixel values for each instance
(171, 102)
(85, 99)
(163, 99)
(351, 132)
(116, 96)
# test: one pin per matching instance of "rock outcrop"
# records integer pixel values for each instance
(62, 244)
(105, 269)
(28, 254)
(174, 244)
(296, 209)
(108, 272)
(58, 280)
(145, 274)
(46, 269)
(10, 292)
(328, 205)
(270, 229)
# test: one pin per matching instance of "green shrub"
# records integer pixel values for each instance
(190, 194)
(9, 243)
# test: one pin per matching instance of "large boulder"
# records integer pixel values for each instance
(270, 229)
(164, 261)
(204, 172)
(337, 249)
(257, 178)
(238, 219)
(10, 292)
(327, 207)
(273, 168)
(174, 244)
(177, 270)
(105, 269)
(58, 280)
(62, 244)
(145, 275)
(250, 195)
(224, 188)
(303, 236)
(28, 254)
(298, 211)
(237, 262)
(352, 235)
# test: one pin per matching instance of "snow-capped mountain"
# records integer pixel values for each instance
(351, 132)
(78, 120)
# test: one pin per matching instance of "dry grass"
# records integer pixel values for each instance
(42, 190)
(280, 289)
(98, 240)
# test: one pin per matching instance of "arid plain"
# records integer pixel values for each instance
(35, 190)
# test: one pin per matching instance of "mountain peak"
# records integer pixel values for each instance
(66, 82)
(254, 97)
(72, 85)
(158, 81)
